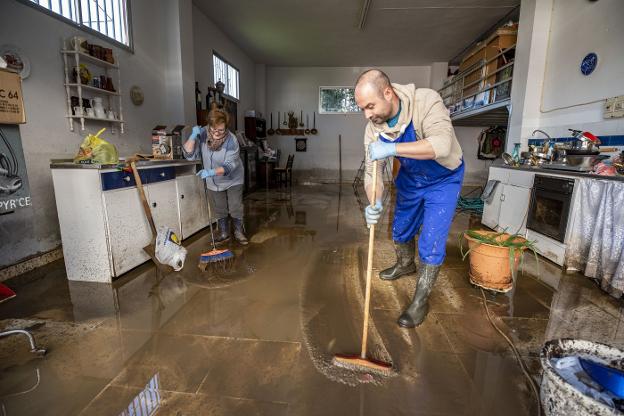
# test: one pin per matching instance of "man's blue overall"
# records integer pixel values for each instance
(427, 194)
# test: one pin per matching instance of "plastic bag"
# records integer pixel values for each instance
(94, 149)
(168, 248)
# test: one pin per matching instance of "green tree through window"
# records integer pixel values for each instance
(337, 100)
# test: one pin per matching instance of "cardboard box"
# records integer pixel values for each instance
(161, 143)
(177, 140)
(11, 103)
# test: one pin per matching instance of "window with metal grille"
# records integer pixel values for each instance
(107, 17)
(227, 74)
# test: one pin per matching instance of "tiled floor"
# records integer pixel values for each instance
(259, 339)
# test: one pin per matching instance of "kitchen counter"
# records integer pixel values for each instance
(559, 172)
(151, 163)
(102, 219)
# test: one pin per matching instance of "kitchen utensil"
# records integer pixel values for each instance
(292, 121)
(361, 362)
(90, 112)
(314, 130)
(584, 161)
(279, 115)
(585, 140)
(78, 111)
(508, 159)
(301, 119)
(581, 152)
(271, 132)
(307, 130)
(111, 115)
(96, 103)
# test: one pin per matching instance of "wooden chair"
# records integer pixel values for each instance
(284, 175)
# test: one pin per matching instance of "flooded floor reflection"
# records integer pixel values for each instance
(258, 338)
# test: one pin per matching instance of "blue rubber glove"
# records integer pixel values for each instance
(373, 213)
(195, 133)
(381, 150)
(206, 173)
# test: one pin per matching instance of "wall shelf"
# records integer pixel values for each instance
(480, 95)
(88, 58)
(495, 114)
(72, 58)
(94, 89)
(292, 132)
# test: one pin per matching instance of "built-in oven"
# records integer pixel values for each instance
(550, 206)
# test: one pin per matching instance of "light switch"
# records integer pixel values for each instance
(614, 107)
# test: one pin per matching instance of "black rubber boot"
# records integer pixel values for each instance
(239, 231)
(224, 230)
(404, 263)
(416, 313)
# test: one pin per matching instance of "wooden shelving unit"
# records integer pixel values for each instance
(73, 58)
(480, 94)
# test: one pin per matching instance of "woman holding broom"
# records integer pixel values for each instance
(222, 171)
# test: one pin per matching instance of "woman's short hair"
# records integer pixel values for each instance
(217, 116)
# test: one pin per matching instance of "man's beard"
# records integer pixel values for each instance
(382, 118)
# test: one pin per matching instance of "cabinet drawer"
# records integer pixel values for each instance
(160, 174)
(121, 179)
(521, 179)
(499, 174)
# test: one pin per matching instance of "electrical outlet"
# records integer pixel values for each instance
(614, 107)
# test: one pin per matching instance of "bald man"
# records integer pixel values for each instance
(413, 125)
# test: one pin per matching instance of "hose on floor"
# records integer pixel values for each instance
(473, 205)
(516, 354)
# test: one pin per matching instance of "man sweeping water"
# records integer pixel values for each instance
(413, 125)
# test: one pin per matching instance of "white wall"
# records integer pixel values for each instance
(549, 91)
(207, 37)
(564, 84)
(297, 88)
(168, 36)
(46, 134)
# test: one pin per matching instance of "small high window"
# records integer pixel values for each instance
(227, 74)
(107, 17)
(337, 100)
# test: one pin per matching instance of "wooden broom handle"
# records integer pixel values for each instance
(146, 208)
(369, 267)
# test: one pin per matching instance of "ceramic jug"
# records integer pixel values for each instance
(96, 103)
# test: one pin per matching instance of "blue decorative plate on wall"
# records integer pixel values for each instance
(589, 63)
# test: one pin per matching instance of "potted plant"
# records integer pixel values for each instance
(494, 257)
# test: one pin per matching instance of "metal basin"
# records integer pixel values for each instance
(584, 161)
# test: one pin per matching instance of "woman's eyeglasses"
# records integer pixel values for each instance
(216, 131)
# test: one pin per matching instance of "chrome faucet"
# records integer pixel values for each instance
(541, 131)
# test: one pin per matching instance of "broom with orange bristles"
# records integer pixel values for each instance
(361, 362)
(224, 258)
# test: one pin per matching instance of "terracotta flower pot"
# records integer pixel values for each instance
(490, 264)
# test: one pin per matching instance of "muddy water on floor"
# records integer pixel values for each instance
(261, 334)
